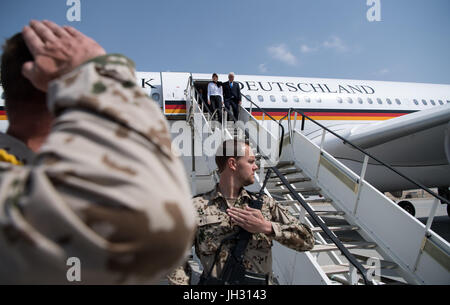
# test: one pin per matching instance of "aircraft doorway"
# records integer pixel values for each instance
(201, 87)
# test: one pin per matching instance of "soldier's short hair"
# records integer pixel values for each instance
(18, 90)
(234, 148)
(215, 74)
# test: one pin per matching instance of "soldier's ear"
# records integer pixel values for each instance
(232, 163)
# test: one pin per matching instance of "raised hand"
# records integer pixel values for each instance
(56, 50)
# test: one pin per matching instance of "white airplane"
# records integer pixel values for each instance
(406, 125)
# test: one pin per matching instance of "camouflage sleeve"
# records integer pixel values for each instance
(181, 275)
(105, 188)
(288, 230)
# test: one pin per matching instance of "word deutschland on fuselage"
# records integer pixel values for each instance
(306, 87)
(292, 87)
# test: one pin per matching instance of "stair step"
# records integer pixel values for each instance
(323, 200)
(330, 213)
(310, 201)
(339, 269)
(335, 269)
(337, 228)
(284, 164)
(383, 280)
(384, 263)
(280, 198)
(325, 213)
(286, 172)
(344, 268)
(306, 190)
(287, 202)
(294, 180)
(333, 247)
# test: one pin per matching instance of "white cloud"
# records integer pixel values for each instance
(282, 53)
(335, 43)
(262, 68)
(307, 49)
(383, 71)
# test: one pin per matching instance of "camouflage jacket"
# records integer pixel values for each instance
(213, 225)
(105, 188)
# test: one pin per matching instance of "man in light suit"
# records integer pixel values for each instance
(232, 95)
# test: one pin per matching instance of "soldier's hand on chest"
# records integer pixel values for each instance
(250, 219)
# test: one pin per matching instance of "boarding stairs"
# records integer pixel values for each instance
(362, 237)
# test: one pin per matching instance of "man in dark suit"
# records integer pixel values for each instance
(232, 95)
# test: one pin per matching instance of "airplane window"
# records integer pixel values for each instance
(448, 102)
(284, 98)
(441, 102)
(398, 101)
(339, 100)
(261, 98)
(388, 100)
(379, 101)
(296, 99)
(416, 102)
(424, 102)
(360, 100)
(319, 100)
(249, 97)
(272, 98)
(349, 100)
(369, 100)
(308, 100)
(155, 97)
(432, 102)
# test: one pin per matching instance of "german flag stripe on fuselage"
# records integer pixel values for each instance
(335, 114)
(2, 113)
(174, 107)
(178, 107)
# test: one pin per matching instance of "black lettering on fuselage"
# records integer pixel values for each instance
(328, 89)
(262, 87)
(299, 87)
(291, 86)
(356, 88)
(318, 86)
(251, 83)
(342, 88)
(279, 85)
(371, 89)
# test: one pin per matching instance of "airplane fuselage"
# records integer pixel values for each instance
(339, 104)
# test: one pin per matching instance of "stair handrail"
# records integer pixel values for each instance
(350, 257)
(273, 119)
(345, 141)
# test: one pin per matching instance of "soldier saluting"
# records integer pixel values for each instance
(224, 210)
(104, 186)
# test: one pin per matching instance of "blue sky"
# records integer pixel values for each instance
(320, 38)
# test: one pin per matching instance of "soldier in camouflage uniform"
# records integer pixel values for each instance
(223, 210)
(104, 187)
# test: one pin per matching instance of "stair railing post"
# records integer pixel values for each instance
(295, 120)
(353, 274)
(427, 233)
(194, 173)
(223, 123)
(431, 215)
(320, 152)
(360, 182)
